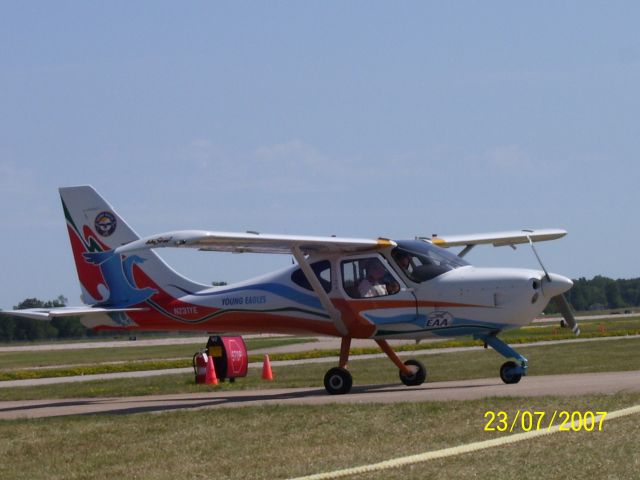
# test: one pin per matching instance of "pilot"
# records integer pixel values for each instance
(373, 284)
(403, 259)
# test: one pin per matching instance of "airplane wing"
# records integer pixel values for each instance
(47, 314)
(498, 239)
(253, 242)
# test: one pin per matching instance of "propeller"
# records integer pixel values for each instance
(560, 300)
(567, 313)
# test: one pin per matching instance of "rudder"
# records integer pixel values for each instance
(95, 229)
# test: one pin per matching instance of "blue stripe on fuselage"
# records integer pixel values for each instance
(454, 327)
(279, 289)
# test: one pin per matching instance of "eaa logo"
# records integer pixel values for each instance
(105, 224)
(439, 318)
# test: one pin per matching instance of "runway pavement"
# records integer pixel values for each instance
(557, 385)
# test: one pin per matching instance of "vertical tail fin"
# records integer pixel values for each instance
(95, 229)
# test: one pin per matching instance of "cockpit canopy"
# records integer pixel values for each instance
(422, 261)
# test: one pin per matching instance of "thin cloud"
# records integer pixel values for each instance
(289, 166)
(508, 157)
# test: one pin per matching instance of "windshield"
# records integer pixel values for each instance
(422, 261)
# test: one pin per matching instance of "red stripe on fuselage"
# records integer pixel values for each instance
(190, 317)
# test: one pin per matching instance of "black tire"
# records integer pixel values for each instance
(417, 377)
(338, 381)
(507, 375)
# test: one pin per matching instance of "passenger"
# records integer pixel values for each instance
(373, 284)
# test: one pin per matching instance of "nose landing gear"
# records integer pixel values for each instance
(510, 372)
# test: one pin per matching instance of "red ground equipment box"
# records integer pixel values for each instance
(229, 356)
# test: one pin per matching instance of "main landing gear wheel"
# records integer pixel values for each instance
(338, 381)
(418, 376)
(508, 374)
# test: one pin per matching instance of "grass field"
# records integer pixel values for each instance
(598, 356)
(64, 363)
(23, 365)
(12, 360)
(281, 442)
(287, 441)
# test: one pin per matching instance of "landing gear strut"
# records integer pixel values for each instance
(510, 372)
(338, 380)
(412, 372)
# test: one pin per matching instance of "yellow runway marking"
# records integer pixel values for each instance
(452, 451)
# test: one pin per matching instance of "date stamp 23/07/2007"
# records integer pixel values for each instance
(527, 420)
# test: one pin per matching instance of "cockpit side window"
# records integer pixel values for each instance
(322, 270)
(367, 278)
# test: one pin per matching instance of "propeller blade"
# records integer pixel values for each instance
(535, 252)
(567, 313)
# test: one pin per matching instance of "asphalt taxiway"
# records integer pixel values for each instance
(533, 386)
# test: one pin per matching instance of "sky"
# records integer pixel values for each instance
(358, 119)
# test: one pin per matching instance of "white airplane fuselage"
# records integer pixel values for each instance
(466, 300)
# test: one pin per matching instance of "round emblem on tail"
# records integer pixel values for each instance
(105, 223)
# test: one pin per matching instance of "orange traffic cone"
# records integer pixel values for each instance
(211, 377)
(267, 374)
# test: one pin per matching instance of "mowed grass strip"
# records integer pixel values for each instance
(612, 355)
(15, 365)
(133, 359)
(611, 453)
(285, 441)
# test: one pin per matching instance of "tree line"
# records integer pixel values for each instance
(603, 293)
(21, 329)
(599, 293)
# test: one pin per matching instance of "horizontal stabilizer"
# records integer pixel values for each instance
(47, 314)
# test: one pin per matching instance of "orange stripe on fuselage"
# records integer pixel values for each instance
(433, 304)
(358, 326)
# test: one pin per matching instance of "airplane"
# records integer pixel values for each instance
(352, 288)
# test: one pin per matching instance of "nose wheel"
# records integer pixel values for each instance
(510, 372)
